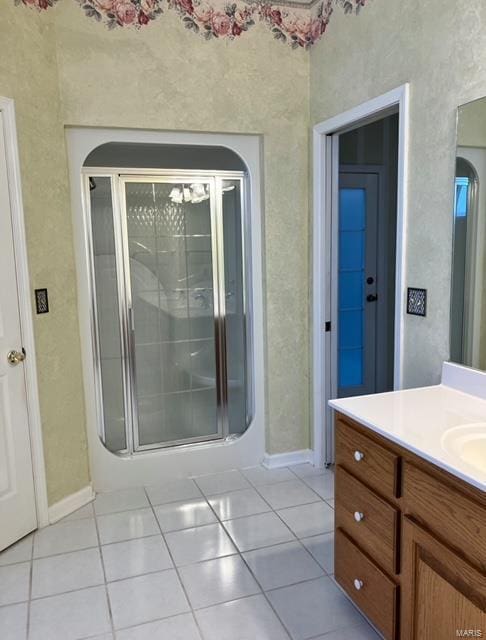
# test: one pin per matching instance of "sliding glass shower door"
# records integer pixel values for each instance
(175, 284)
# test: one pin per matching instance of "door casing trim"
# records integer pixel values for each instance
(322, 207)
(7, 107)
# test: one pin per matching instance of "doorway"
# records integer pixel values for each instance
(359, 179)
(366, 258)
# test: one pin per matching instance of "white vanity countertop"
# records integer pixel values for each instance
(442, 424)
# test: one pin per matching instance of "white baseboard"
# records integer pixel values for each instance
(276, 460)
(70, 503)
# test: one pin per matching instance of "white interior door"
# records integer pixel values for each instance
(17, 497)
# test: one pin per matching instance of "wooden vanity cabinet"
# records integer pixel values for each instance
(410, 540)
(442, 594)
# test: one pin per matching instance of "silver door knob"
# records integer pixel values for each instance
(15, 357)
(358, 516)
(358, 456)
(358, 584)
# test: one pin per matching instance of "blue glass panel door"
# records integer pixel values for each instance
(356, 267)
(352, 220)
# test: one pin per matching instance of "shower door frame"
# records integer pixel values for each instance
(119, 177)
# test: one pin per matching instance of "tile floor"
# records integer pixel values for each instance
(239, 555)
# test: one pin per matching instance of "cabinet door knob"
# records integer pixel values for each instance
(358, 516)
(358, 455)
(358, 584)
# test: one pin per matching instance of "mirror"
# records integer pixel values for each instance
(468, 289)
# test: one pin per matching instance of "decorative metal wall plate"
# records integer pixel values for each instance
(416, 301)
(41, 301)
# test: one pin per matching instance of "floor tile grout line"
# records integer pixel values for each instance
(305, 485)
(205, 560)
(141, 624)
(268, 484)
(324, 471)
(176, 569)
(312, 488)
(28, 559)
(271, 510)
(352, 626)
(363, 622)
(67, 591)
(27, 626)
(13, 564)
(203, 494)
(316, 492)
(248, 515)
(291, 506)
(297, 537)
(65, 553)
(107, 595)
(192, 564)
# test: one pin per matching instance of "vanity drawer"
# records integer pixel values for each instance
(366, 459)
(366, 584)
(368, 519)
(446, 512)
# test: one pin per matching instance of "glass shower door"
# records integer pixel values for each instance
(238, 400)
(173, 305)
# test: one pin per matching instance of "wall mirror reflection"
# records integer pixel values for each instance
(468, 293)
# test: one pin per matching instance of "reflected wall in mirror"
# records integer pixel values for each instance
(468, 292)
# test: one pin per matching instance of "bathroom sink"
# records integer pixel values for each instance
(468, 443)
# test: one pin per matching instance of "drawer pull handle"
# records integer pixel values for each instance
(358, 584)
(358, 516)
(358, 455)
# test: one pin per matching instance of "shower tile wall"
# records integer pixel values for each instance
(235, 312)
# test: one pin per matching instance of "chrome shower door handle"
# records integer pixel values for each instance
(131, 320)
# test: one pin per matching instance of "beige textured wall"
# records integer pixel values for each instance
(166, 77)
(28, 74)
(440, 48)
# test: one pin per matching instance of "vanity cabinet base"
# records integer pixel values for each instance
(410, 550)
(443, 595)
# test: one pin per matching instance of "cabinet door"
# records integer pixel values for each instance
(444, 596)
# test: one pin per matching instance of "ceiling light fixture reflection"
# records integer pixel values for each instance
(176, 195)
(194, 193)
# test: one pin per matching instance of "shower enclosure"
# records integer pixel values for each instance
(170, 322)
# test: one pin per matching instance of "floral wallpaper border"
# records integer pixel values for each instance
(299, 27)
